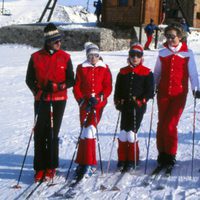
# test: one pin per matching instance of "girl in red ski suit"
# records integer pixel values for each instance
(93, 85)
(175, 64)
(134, 87)
(49, 74)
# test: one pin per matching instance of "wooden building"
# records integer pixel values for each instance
(135, 12)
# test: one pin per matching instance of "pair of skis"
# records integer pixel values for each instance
(71, 188)
(160, 172)
(121, 179)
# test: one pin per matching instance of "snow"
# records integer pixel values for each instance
(16, 121)
(75, 13)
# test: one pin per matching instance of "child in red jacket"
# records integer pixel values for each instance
(93, 85)
(134, 87)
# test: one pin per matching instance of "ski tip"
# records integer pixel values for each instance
(103, 187)
(115, 188)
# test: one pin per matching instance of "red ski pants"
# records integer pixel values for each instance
(86, 154)
(169, 113)
(148, 42)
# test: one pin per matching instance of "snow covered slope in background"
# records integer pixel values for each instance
(28, 11)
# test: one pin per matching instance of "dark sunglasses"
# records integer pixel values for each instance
(137, 54)
(170, 36)
(57, 41)
(93, 56)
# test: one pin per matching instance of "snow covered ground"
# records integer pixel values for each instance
(28, 11)
(16, 121)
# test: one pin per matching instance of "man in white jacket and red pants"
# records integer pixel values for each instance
(93, 85)
(175, 65)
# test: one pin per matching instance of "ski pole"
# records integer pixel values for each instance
(151, 120)
(194, 119)
(76, 147)
(17, 186)
(98, 143)
(114, 137)
(52, 134)
(135, 133)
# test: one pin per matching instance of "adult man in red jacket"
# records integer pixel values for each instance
(92, 88)
(175, 65)
(49, 74)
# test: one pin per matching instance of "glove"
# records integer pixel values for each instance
(139, 102)
(81, 102)
(62, 86)
(118, 105)
(196, 94)
(35, 91)
(48, 87)
(92, 102)
(54, 87)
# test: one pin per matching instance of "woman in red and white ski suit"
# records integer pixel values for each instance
(175, 65)
(93, 85)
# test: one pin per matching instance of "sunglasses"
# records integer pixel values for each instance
(93, 56)
(170, 36)
(134, 54)
(57, 41)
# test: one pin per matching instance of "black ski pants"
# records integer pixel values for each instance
(46, 148)
(128, 118)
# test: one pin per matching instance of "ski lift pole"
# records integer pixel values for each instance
(193, 134)
(88, 4)
(2, 9)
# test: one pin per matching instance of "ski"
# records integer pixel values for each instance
(26, 191)
(109, 180)
(162, 182)
(168, 171)
(75, 188)
(68, 189)
(70, 183)
(119, 178)
(153, 176)
(121, 181)
(34, 189)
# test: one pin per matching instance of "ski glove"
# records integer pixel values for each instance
(196, 94)
(92, 102)
(54, 87)
(139, 103)
(119, 105)
(81, 102)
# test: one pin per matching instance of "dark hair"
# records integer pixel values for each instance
(176, 27)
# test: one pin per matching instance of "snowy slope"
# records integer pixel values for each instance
(28, 11)
(16, 121)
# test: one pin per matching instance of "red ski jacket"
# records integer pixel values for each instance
(173, 68)
(44, 67)
(91, 80)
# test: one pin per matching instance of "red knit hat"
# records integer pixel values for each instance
(136, 47)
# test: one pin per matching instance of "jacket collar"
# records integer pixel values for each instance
(98, 64)
(182, 46)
